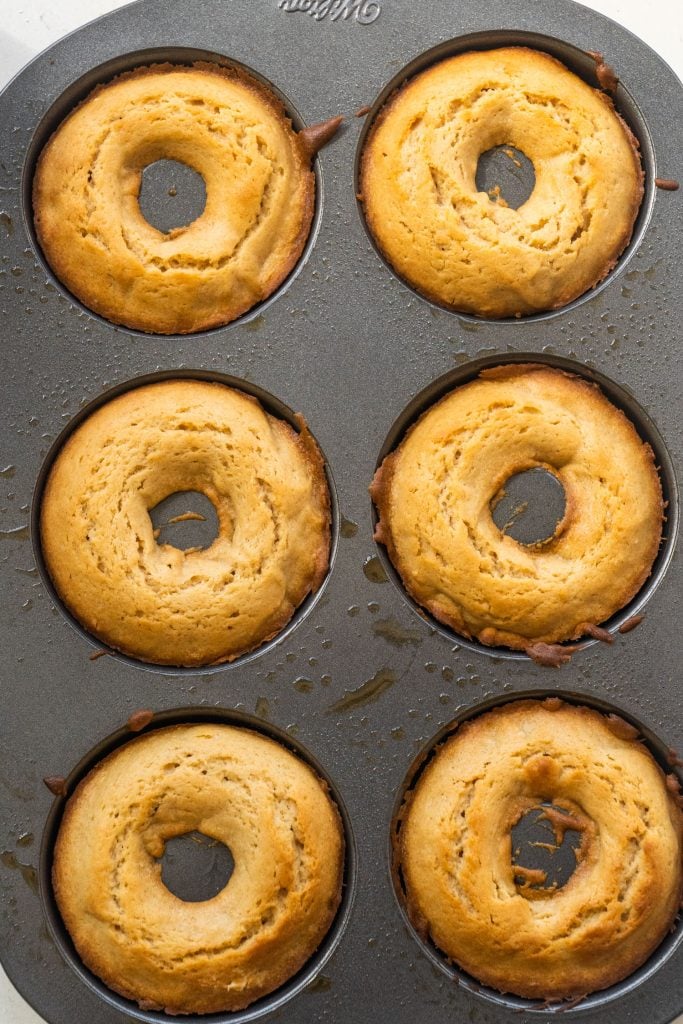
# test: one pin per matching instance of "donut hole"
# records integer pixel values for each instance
(172, 195)
(186, 520)
(545, 853)
(583, 64)
(202, 848)
(526, 816)
(530, 506)
(507, 175)
(195, 867)
(630, 615)
(163, 212)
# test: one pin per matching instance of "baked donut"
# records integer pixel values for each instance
(455, 852)
(233, 785)
(449, 240)
(153, 601)
(435, 492)
(259, 198)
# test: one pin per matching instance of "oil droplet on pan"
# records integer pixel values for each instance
(262, 709)
(28, 872)
(348, 528)
(394, 633)
(368, 692)
(321, 984)
(374, 570)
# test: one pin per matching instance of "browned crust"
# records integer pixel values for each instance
(315, 136)
(542, 649)
(56, 784)
(570, 295)
(139, 720)
(596, 632)
(667, 184)
(616, 970)
(307, 180)
(631, 624)
(546, 655)
(604, 72)
(96, 655)
(309, 449)
(620, 727)
(89, 956)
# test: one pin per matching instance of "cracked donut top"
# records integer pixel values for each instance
(454, 849)
(232, 785)
(454, 244)
(156, 602)
(259, 198)
(435, 494)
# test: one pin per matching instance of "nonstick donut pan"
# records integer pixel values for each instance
(359, 683)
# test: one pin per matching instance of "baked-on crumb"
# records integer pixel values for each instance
(667, 184)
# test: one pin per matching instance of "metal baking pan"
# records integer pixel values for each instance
(360, 683)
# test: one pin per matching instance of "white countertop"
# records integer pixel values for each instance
(31, 25)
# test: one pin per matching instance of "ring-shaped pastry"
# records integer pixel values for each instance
(449, 240)
(233, 785)
(260, 194)
(455, 850)
(185, 607)
(434, 495)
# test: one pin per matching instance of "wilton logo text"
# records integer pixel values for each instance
(364, 11)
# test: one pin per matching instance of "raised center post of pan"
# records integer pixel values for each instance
(172, 195)
(530, 506)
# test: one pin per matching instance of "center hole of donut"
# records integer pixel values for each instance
(507, 175)
(529, 506)
(195, 867)
(186, 519)
(544, 857)
(172, 195)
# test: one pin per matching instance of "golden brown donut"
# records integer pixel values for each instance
(450, 241)
(154, 601)
(434, 495)
(259, 198)
(455, 850)
(235, 786)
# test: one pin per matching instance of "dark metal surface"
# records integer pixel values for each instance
(349, 346)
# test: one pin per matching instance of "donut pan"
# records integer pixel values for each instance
(359, 683)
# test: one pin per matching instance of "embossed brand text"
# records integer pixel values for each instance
(364, 11)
